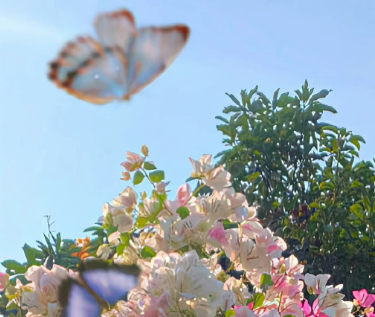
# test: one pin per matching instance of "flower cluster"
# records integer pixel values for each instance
(200, 255)
(39, 296)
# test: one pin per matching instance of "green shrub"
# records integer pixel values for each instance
(307, 180)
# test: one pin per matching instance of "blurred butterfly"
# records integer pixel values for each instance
(121, 63)
(100, 286)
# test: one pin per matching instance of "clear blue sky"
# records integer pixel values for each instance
(61, 156)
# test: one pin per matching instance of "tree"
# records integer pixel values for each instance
(302, 174)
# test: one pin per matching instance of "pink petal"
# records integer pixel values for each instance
(369, 300)
(183, 194)
(315, 306)
(218, 233)
(128, 166)
(306, 308)
(133, 157)
(360, 295)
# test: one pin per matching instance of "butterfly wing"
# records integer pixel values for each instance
(154, 49)
(121, 64)
(88, 71)
(111, 283)
(77, 301)
(97, 71)
(116, 30)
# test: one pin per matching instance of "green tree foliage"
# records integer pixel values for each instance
(306, 178)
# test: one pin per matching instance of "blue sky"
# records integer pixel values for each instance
(61, 156)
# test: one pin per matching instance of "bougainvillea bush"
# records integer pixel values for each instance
(200, 255)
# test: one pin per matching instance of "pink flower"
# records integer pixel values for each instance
(129, 199)
(202, 166)
(4, 278)
(316, 284)
(218, 233)
(46, 281)
(243, 311)
(363, 298)
(216, 178)
(266, 241)
(282, 284)
(290, 266)
(133, 163)
(314, 311)
(182, 199)
(252, 228)
(183, 194)
(161, 187)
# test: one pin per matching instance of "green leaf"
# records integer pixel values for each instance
(121, 248)
(141, 222)
(259, 300)
(50, 248)
(242, 122)
(357, 210)
(230, 313)
(355, 142)
(13, 279)
(321, 94)
(231, 109)
(99, 233)
(111, 229)
(306, 93)
(227, 130)
(149, 166)
(229, 225)
(335, 145)
(29, 254)
(222, 119)
(359, 138)
(94, 228)
(328, 228)
(263, 97)
(314, 204)
(253, 176)
(225, 155)
(266, 280)
(330, 128)
(147, 252)
(125, 238)
(190, 179)
(244, 97)
(252, 92)
(12, 305)
(14, 266)
(356, 184)
(236, 168)
(274, 101)
(183, 212)
(138, 177)
(234, 99)
(157, 176)
(319, 107)
(299, 94)
(58, 243)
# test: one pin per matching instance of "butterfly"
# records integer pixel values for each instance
(121, 63)
(100, 286)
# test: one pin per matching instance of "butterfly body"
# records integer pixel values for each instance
(121, 63)
(99, 287)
